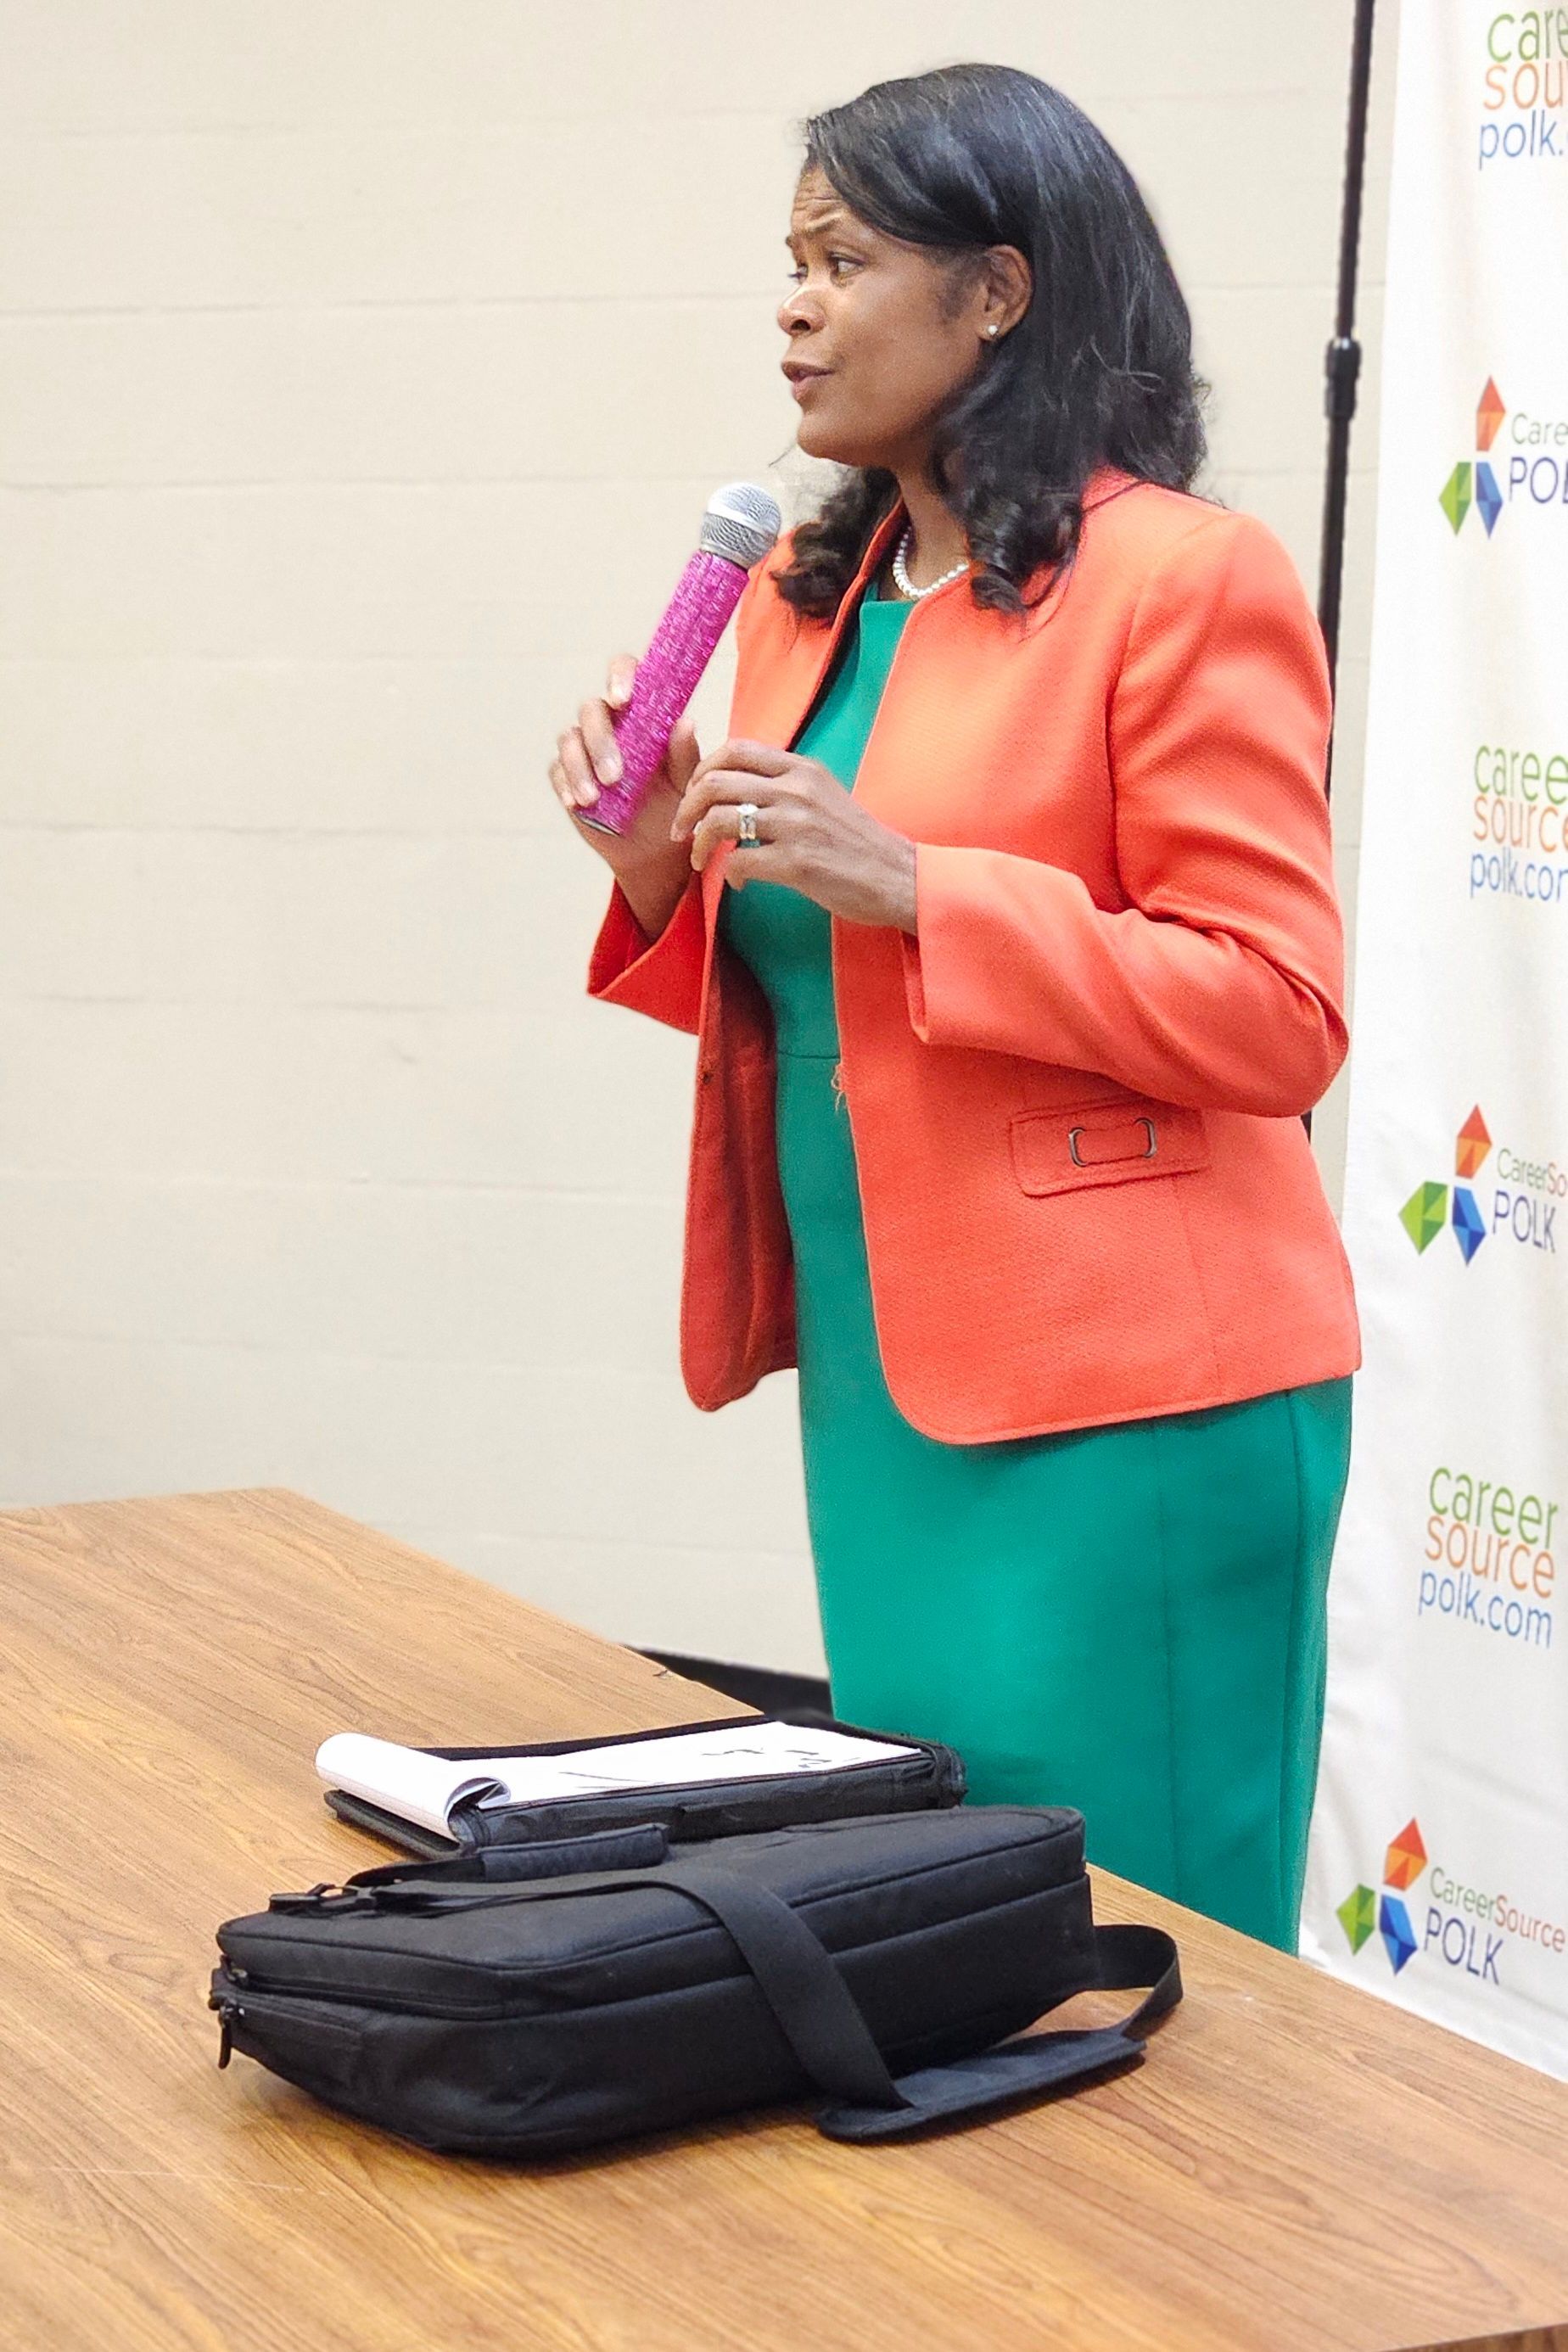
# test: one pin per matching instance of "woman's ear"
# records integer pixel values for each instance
(1006, 288)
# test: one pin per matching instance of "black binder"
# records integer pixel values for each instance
(931, 1777)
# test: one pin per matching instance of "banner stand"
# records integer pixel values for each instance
(1438, 1867)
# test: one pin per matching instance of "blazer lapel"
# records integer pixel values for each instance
(774, 693)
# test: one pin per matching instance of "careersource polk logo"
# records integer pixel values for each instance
(1363, 1910)
(1518, 816)
(1532, 462)
(1450, 1923)
(1488, 1562)
(1519, 1207)
(1524, 87)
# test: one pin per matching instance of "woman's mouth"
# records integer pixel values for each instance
(801, 379)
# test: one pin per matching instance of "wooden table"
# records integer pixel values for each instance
(1297, 2164)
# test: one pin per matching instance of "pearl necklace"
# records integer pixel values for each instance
(901, 579)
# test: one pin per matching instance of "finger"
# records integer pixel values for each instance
(744, 756)
(754, 759)
(594, 724)
(722, 824)
(693, 805)
(705, 839)
(713, 787)
(699, 796)
(619, 685)
(574, 758)
(762, 864)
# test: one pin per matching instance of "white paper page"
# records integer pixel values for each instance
(415, 1787)
(744, 1750)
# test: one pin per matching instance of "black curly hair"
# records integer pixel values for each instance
(1098, 371)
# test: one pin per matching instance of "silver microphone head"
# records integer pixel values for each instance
(742, 522)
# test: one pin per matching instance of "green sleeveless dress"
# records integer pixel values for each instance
(1130, 1619)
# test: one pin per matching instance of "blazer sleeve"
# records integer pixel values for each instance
(1219, 985)
(662, 977)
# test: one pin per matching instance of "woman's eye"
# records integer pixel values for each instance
(849, 260)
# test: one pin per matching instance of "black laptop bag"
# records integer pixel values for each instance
(625, 1986)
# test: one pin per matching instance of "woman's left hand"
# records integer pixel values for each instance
(810, 834)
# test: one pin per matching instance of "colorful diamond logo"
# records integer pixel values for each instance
(1425, 1214)
(1490, 415)
(1398, 1935)
(1455, 497)
(1470, 1227)
(1488, 498)
(1473, 1144)
(1405, 1858)
(1357, 1914)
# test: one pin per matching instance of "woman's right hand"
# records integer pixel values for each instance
(652, 870)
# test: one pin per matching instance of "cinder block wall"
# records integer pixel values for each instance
(363, 370)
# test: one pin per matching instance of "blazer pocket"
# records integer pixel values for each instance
(1123, 1142)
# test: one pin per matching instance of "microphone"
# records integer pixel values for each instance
(740, 524)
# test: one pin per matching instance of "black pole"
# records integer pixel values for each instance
(1341, 367)
(1342, 358)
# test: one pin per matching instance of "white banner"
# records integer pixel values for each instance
(1439, 1859)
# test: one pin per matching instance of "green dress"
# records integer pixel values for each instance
(1129, 1619)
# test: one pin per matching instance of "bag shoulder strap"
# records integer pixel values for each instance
(814, 2008)
(829, 2036)
(1018, 2071)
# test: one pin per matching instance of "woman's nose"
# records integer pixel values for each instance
(798, 314)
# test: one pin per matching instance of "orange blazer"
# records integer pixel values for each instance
(1075, 1096)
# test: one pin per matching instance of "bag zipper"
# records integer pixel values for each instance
(426, 1902)
(267, 1989)
(227, 2012)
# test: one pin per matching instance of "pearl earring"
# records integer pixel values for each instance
(991, 330)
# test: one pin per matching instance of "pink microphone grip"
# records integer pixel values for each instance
(694, 620)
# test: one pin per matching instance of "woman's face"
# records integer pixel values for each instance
(890, 332)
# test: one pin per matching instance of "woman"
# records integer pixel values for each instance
(1029, 965)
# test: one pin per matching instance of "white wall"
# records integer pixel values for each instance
(363, 370)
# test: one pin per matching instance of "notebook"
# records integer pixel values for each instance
(427, 1789)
